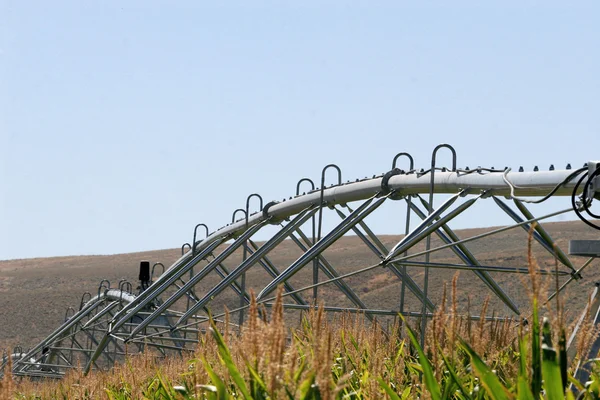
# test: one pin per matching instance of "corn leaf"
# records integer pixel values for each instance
(432, 385)
(489, 380)
(550, 366)
(453, 375)
(308, 389)
(388, 390)
(259, 388)
(562, 357)
(536, 359)
(523, 389)
(222, 393)
(227, 360)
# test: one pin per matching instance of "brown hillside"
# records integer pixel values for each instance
(34, 293)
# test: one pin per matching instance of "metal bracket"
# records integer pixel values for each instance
(594, 176)
(586, 248)
(385, 189)
(265, 210)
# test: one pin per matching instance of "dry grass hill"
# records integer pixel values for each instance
(34, 293)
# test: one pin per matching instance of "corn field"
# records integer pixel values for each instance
(350, 358)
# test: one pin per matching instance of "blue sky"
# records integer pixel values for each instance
(123, 124)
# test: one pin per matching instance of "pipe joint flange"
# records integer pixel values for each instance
(265, 212)
(385, 188)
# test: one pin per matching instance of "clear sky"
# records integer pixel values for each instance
(125, 123)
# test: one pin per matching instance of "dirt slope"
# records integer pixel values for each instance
(34, 293)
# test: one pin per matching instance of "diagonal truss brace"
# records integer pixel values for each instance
(379, 249)
(361, 212)
(467, 257)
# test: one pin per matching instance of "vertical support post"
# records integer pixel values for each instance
(428, 242)
(194, 245)
(316, 268)
(245, 256)
(243, 283)
(407, 228)
(68, 315)
(314, 240)
(194, 239)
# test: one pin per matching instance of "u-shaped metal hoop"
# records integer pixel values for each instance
(339, 171)
(102, 285)
(259, 197)
(194, 239)
(67, 316)
(235, 213)
(312, 184)
(411, 161)
(154, 266)
(247, 212)
(434, 156)
(83, 301)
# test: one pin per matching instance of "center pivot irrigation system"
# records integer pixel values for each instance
(170, 309)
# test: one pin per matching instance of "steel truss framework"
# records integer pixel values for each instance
(169, 314)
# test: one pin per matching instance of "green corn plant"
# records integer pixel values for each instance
(523, 387)
(550, 365)
(227, 360)
(536, 359)
(388, 390)
(562, 351)
(495, 389)
(220, 390)
(454, 376)
(432, 385)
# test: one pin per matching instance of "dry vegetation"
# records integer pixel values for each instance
(343, 356)
(36, 292)
(348, 358)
